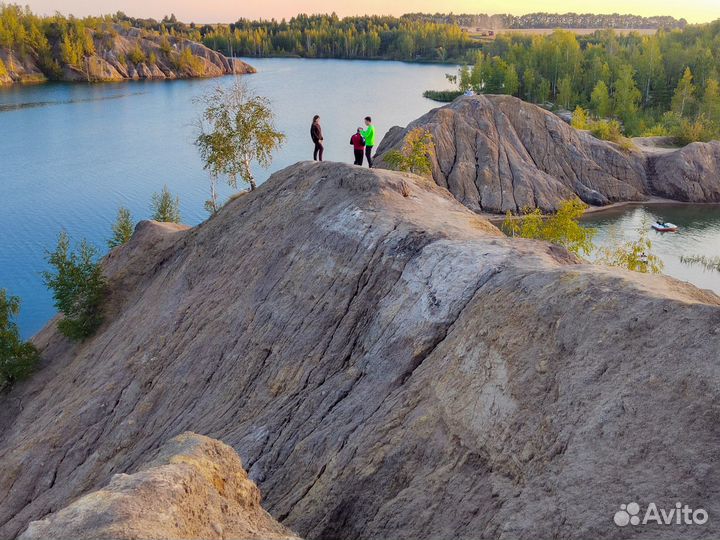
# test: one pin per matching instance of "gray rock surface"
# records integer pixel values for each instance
(689, 174)
(388, 365)
(112, 61)
(498, 154)
(195, 488)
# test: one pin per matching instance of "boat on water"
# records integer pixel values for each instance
(663, 226)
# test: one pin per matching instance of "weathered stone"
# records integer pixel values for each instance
(499, 154)
(195, 488)
(107, 66)
(388, 365)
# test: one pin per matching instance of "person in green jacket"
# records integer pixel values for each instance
(369, 135)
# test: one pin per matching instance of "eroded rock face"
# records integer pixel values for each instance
(113, 60)
(690, 174)
(498, 154)
(388, 365)
(195, 488)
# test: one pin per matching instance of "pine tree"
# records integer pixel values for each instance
(17, 358)
(122, 228)
(165, 208)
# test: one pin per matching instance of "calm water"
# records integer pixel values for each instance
(699, 234)
(72, 154)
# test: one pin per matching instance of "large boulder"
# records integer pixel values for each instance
(498, 154)
(691, 174)
(388, 365)
(195, 488)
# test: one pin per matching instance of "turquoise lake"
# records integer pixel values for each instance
(72, 154)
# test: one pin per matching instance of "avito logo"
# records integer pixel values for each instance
(629, 514)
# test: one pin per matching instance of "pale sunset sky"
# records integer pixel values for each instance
(208, 11)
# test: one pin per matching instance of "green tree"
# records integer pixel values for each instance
(684, 97)
(122, 228)
(565, 93)
(627, 98)
(562, 228)
(236, 128)
(137, 55)
(17, 358)
(710, 106)
(78, 286)
(415, 155)
(165, 208)
(600, 102)
(635, 255)
(511, 86)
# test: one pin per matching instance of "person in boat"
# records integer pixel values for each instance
(358, 144)
(316, 135)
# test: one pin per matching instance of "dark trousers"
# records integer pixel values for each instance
(358, 157)
(317, 154)
(368, 155)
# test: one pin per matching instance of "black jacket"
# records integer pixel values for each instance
(316, 132)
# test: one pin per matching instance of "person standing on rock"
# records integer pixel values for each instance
(316, 135)
(369, 134)
(358, 143)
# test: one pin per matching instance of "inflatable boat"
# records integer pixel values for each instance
(664, 227)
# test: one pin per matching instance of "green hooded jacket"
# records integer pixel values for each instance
(369, 135)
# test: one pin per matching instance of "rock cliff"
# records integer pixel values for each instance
(195, 488)
(388, 365)
(499, 154)
(127, 54)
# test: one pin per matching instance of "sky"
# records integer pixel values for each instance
(208, 11)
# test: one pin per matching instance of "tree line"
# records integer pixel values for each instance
(329, 36)
(663, 84)
(551, 20)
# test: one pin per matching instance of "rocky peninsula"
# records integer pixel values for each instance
(386, 363)
(122, 54)
(498, 153)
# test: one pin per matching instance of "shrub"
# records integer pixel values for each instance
(3, 69)
(632, 255)
(187, 62)
(17, 358)
(137, 55)
(164, 207)
(165, 45)
(580, 118)
(416, 154)
(153, 58)
(122, 228)
(562, 228)
(78, 288)
(443, 96)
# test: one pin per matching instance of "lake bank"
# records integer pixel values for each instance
(79, 159)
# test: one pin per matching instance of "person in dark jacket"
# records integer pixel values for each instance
(317, 138)
(358, 144)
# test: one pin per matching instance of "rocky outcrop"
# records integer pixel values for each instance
(689, 174)
(19, 68)
(388, 365)
(116, 59)
(195, 488)
(498, 154)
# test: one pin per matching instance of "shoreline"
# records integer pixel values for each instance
(595, 210)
